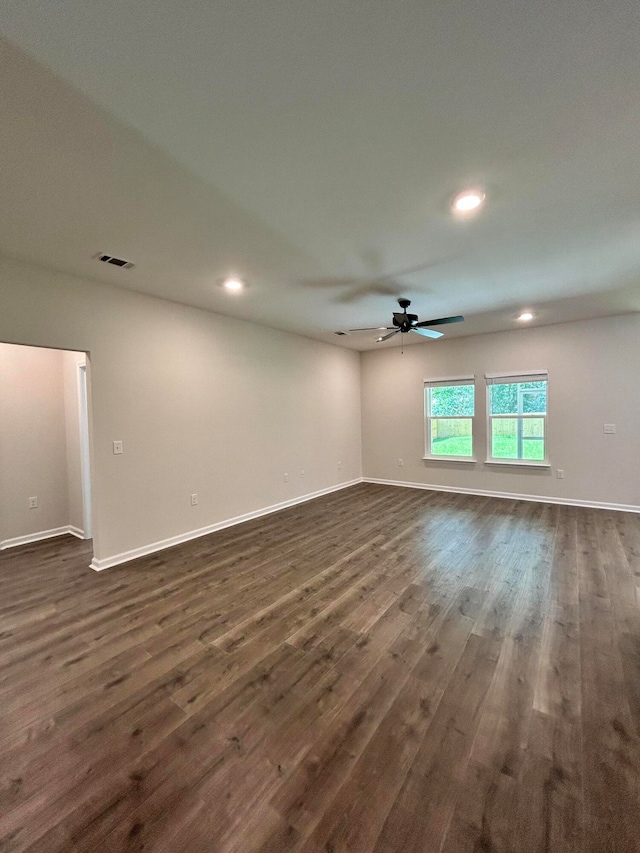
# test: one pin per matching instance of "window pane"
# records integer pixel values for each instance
(513, 398)
(451, 437)
(452, 400)
(518, 438)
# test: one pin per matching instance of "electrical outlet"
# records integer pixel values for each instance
(286, 477)
(609, 429)
(194, 500)
(560, 473)
(400, 463)
(117, 448)
(33, 503)
(302, 473)
(339, 466)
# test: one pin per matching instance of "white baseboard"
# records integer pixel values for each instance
(42, 534)
(126, 556)
(507, 495)
(76, 531)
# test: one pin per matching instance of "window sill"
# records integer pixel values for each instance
(471, 459)
(519, 463)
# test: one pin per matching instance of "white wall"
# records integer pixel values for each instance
(33, 451)
(594, 378)
(203, 404)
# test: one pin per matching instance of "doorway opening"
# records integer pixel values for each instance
(45, 445)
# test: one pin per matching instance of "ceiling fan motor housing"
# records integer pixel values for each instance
(404, 321)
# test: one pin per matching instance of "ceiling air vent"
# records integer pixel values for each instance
(117, 262)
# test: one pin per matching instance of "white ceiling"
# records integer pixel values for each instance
(313, 147)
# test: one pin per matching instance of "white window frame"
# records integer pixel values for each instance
(507, 379)
(445, 382)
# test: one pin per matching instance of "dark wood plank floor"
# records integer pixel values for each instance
(385, 670)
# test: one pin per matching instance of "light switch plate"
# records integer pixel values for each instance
(117, 447)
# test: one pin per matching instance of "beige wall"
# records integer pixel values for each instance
(33, 451)
(594, 369)
(203, 404)
(223, 408)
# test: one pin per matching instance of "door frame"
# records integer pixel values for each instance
(85, 449)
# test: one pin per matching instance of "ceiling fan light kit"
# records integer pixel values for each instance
(403, 323)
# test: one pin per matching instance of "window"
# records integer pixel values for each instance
(449, 410)
(517, 415)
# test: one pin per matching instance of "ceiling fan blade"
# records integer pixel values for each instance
(373, 329)
(386, 337)
(368, 288)
(440, 322)
(426, 333)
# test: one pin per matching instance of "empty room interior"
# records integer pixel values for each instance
(319, 427)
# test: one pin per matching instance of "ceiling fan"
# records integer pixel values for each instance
(403, 322)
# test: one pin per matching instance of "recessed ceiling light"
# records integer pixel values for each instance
(233, 284)
(467, 201)
(525, 316)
